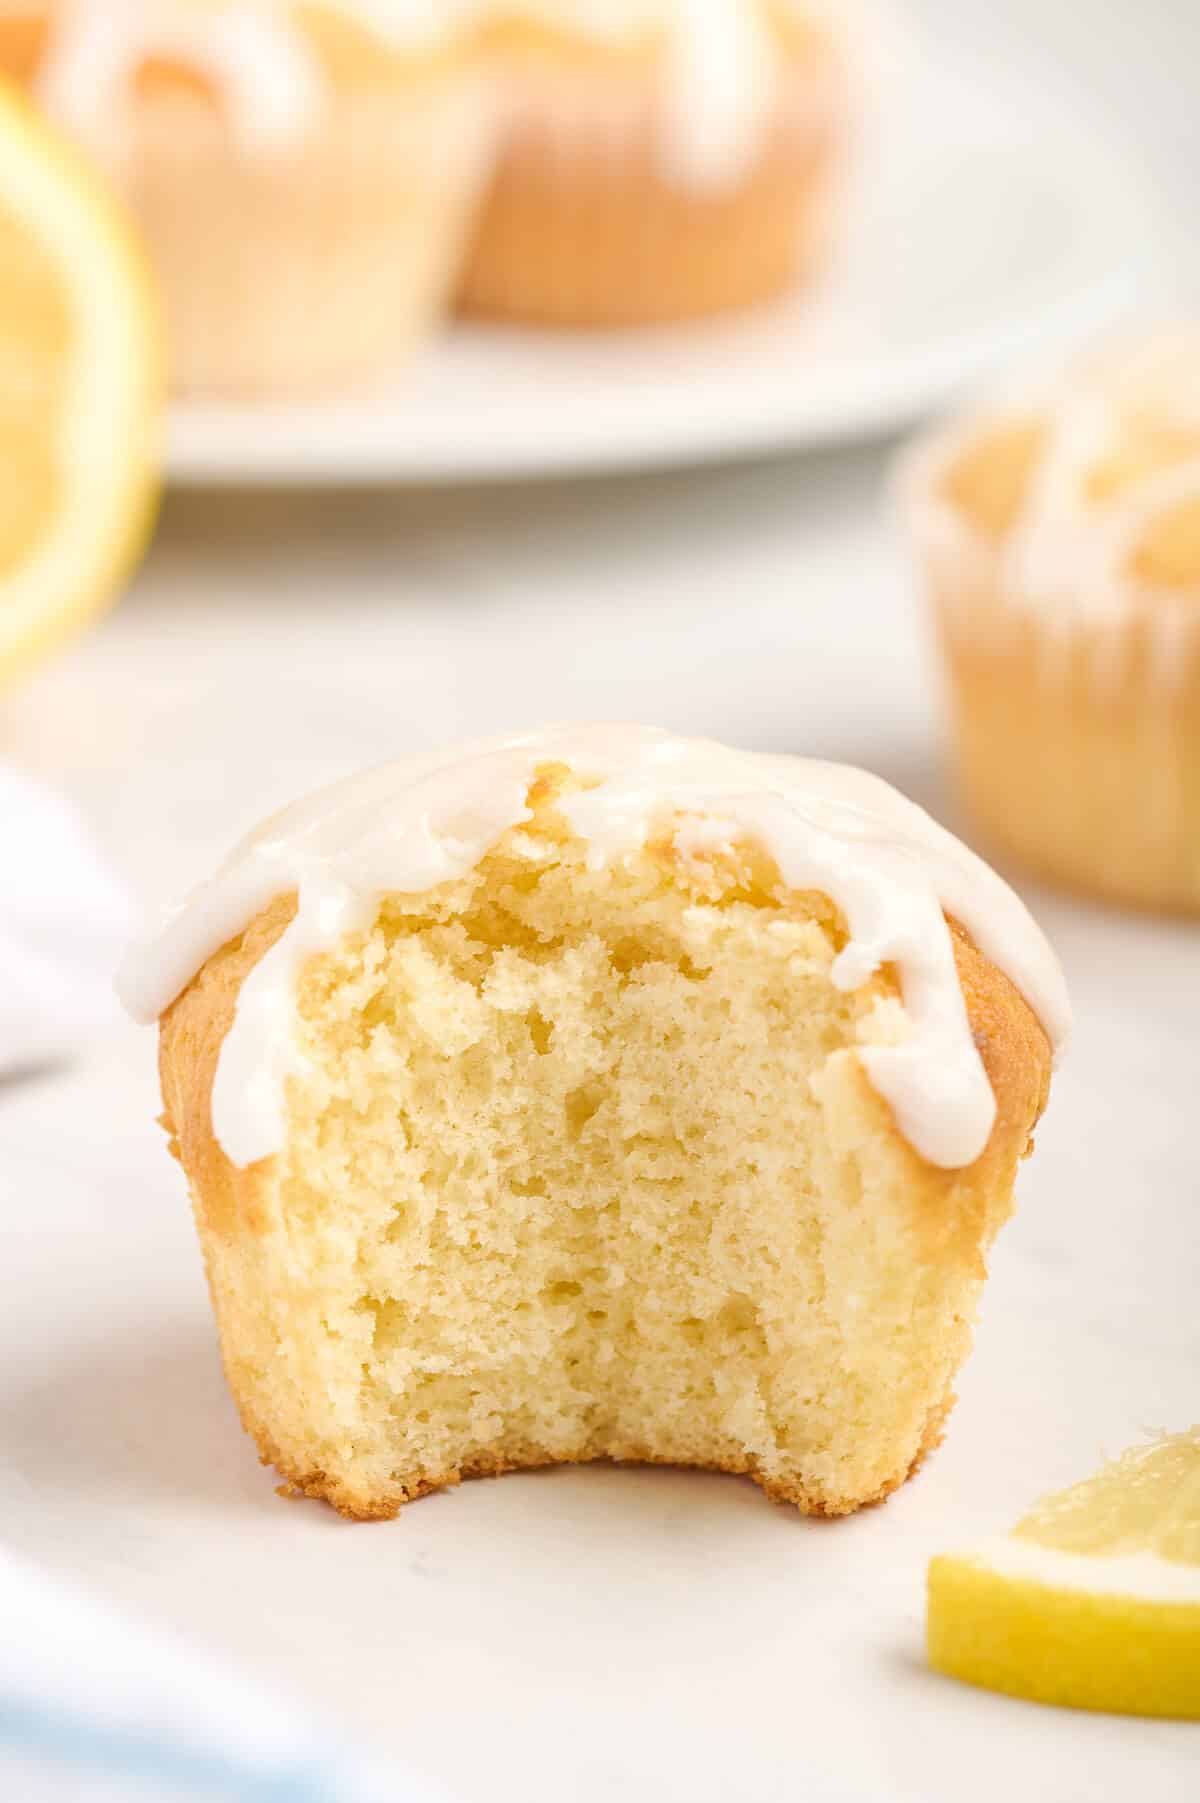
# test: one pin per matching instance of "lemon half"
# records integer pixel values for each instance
(81, 391)
(1094, 1601)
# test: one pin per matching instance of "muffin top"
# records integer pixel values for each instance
(269, 63)
(1088, 492)
(892, 874)
(794, 27)
(718, 65)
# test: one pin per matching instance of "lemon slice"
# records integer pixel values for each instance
(1094, 1601)
(81, 382)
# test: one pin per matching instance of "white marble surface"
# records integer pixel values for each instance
(598, 1633)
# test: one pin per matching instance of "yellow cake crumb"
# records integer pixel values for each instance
(582, 1164)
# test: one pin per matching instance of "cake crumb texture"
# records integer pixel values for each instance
(583, 1164)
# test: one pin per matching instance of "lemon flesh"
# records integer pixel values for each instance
(81, 383)
(1094, 1601)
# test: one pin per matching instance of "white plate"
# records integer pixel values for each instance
(991, 220)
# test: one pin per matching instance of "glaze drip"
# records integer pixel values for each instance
(719, 84)
(406, 828)
(1069, 560)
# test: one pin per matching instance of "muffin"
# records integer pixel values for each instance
(305, 174)
(1059, 539)
(599, 1094)
(664, 159)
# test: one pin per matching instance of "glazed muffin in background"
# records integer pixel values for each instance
(305, 173)
(1059, 539)
(665, 159)
(599, 1094)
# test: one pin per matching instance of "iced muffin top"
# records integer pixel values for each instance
(890, 870)
(269, 63)
(1087, 492)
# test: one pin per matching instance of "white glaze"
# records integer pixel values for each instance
(1068, 561)
(721, 87)
(268, 78)
(890, 869)
(250, 50)
(721, 77)
(720, 81)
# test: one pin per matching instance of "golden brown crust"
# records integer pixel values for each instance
(1019, 1061)
(317, 1486)
(228, 1200)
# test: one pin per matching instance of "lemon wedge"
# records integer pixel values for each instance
(81, 386)
(1093, 1602)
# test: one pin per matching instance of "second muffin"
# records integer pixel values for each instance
(1060, 542)
(305, 174)
(665, 158)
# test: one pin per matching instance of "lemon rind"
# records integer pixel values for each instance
(1069, 1629)
(111, 428)
(1143, 1577)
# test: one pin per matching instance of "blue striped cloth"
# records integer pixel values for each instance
(95, 1708)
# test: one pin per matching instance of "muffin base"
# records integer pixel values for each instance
(310, 266)
(1079, 756)
(391, 1333)
(304, 1482)
(584, 227)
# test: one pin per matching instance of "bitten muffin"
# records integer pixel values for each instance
(1059, 541)
(664, 159)
(599, 1094)
(305, 173)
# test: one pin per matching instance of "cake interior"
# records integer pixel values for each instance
(581, 1165)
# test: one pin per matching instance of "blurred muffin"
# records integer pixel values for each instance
(446, 1054)
(1060, 542)
(305, 173)
(24, 34)
(665, 158)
